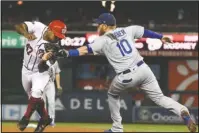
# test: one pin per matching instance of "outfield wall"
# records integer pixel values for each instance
(93, 107)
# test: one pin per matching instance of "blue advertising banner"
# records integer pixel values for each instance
(90, 107)
(73, 107)
(149, 114)
(14, 112)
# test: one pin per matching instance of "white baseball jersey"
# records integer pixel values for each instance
(119, 47)
(54, 69)
(34, 49)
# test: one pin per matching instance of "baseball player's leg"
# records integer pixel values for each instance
(45, 99)
(50, 94)
(119, 84)
(26, 82)
(155, 94)
(152, 89)
(39, 82)
(114, 106)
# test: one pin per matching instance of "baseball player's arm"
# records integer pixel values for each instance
(152, 34)
(42, 66)
(92, 48)
(139, 32)
(25, 29)
(57, 79)
(57, 74)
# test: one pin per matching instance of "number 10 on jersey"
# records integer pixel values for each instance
(124, 47)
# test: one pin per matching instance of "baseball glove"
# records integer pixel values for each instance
(51, 47)
(54, 48)
(57, 50)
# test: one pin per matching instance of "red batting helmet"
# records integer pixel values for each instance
(58, 28)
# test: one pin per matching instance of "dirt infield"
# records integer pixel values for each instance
(52, 129)
(97, 127)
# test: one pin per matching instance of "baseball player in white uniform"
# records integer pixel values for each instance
(118, 45)
(49, 93)
(34, 80)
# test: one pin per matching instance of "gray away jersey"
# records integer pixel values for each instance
(119, 47)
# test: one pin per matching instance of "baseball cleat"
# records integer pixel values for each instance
(22, 124)
(109, 130)
(188, 121)
(52, 124)
(42, 124)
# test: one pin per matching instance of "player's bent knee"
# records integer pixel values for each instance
(114, 92)
(37, 94)
(113, 95)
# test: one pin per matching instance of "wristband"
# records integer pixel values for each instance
(89, 49)
(73, 52)
(151, 34)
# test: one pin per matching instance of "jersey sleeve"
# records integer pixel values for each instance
(97, 45)
(33, 26)
(57, 69)
(135, 31)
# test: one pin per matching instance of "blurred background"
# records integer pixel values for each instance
(85, 80)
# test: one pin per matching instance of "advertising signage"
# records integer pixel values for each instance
(183, 46)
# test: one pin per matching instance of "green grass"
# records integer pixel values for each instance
(127, 127)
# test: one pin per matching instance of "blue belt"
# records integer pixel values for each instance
(128, 70)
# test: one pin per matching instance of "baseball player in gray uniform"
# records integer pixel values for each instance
(50, 90)
(118, 45)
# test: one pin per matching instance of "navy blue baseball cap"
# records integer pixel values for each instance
(106, 18)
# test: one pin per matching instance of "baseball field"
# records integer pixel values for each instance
(98, 127)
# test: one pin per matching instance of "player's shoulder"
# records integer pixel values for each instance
(130, 29)
(39, 28)
(39, 24)
(35, 23)
(134, 27)
(119, 28)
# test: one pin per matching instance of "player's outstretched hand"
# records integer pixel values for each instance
(47, 56)
(30, 36)
(166, 40)
(62, 53)
(59, 91)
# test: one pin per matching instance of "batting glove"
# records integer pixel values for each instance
(59, 91)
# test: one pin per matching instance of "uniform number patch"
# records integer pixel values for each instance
(29, 49)
(124, 47)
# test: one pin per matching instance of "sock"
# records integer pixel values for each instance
(36, 104)
(31, 108)
(41, 109)
(186, 119)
